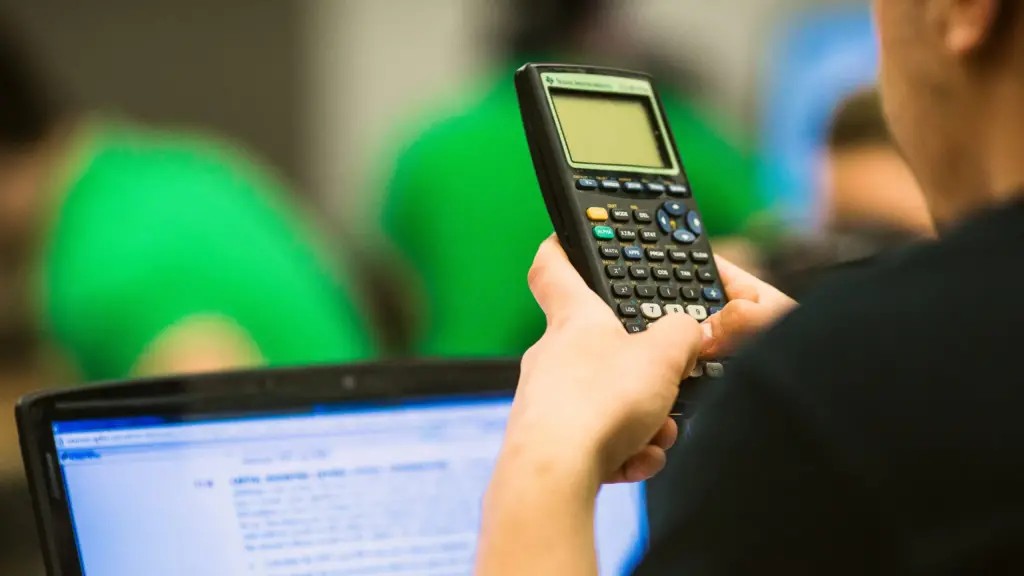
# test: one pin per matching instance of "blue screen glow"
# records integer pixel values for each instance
(392, 490)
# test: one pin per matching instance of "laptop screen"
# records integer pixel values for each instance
(353, 490)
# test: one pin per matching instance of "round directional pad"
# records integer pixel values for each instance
(674, 208)
(684, 236)
(671, 217)
(694, 223)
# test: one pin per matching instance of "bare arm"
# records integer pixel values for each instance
(538, 516)
(198, 344)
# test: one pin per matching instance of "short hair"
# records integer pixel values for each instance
(538, 26)
(858, 122)
(29, 109)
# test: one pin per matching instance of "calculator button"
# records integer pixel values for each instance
(684, 275)
(714, 310)
(697, 372)
(639, 272)
(615, 271)
(674, 309)
(684, 236)
(603, 233)
(627, 235)
(597, 214)
(677, 255)
(635, 327)
(651, 311)
(700, 257)
(642, 216)
(679, 190)
(620, 215)
(648, 236)
(689, 293)
(586, 184)
(705, 275)
(632, 253)
(628, 310)
(674, 208)
(634, 187)
(712, 294)
(668, 292)
(664, 222)
(656, 188)
(661, 273)
(694, 223)
(714, 370)
(610, 253)
(698, 313)
(622, 290)
(655, 255)
(646, 291)
(610, 185)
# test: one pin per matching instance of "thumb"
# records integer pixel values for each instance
(676, 339)
(724, 331)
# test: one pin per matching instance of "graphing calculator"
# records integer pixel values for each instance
(617, 193)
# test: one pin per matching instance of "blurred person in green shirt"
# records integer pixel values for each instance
(462, 206)
(155, 252)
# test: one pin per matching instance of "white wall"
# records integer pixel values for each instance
(373, 62)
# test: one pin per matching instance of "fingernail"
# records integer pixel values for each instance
(708, 332)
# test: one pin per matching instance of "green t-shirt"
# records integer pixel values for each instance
(156, 228)
(463, 206)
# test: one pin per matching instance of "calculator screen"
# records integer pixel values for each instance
(610, 129)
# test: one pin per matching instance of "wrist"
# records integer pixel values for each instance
(561, 469)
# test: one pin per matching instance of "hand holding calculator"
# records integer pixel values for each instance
(617, 194)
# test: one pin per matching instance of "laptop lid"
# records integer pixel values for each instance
(372, 469)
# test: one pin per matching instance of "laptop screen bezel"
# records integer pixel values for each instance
(276, 391)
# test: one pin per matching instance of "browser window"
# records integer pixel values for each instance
(372, 490)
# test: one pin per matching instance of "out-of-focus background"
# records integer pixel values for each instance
(202, 184)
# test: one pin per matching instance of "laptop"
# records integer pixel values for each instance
(374, 469)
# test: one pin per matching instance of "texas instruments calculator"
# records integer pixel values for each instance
(617, 194)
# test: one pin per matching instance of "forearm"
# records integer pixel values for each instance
(538, 517)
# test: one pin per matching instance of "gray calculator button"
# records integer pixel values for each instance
(651, 311)
(674, 309)
(698, 313)
(714, 370)
(698, 371)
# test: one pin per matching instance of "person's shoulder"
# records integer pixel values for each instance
(141, 193)
(125, 157)
(445, 123)
(869, 328)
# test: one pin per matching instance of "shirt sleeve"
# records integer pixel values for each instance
(755, 494)
(145, 242)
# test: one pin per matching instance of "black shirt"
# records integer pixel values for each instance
(877, 429)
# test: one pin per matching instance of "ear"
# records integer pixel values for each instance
(970, 24)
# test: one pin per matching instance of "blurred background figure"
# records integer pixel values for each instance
(868, 183)
(462, 205)
(872, 203)
(158, 252)
(135, 251)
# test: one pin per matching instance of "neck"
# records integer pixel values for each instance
(1006, 142)
(990, 171)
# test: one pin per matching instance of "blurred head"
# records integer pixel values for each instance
(29, 116)
(564, 28)
(952, 81)
(867, 181)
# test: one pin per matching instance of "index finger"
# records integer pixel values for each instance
(737, 282)
(555, 283)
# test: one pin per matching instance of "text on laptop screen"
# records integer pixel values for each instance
(368, 490)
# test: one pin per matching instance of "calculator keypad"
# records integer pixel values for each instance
(656, 261)
(648, 280)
